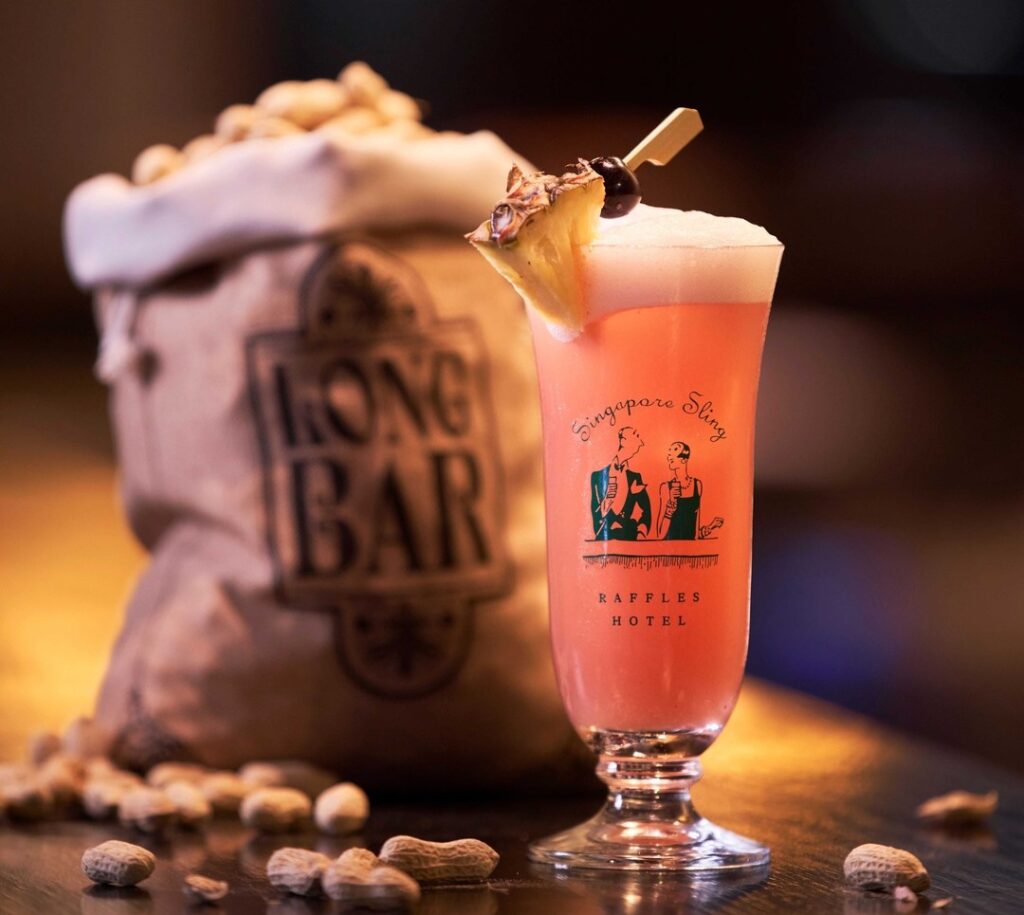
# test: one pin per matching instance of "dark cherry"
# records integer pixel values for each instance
(621, 189)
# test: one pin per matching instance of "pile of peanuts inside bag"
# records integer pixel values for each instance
(358, 102)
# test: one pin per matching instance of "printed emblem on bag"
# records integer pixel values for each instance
(382, 476)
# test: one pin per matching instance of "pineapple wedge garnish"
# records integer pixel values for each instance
(533, 238)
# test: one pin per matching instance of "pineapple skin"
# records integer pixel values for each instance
(533, 237)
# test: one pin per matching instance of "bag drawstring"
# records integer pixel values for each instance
(118, 350)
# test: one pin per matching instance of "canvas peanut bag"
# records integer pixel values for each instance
(328, 434)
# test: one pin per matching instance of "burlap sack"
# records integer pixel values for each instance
(328, 437)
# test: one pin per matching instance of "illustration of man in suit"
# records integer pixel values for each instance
(619, 502)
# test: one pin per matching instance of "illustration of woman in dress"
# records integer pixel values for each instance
(679, 500)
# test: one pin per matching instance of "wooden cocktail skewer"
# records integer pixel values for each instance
(670, 136)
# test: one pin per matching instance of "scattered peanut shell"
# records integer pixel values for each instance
(271, 127)
(198, 888)
(386, 889)
(147, 809)
(358, 858)
(193, 808)
(288, 773)
(341, 809)
(383, 888)
(156, 162)
(881, 867)
(297, 870)
(164, 773)
(118, 863)
(225, 791)
(235, 122)
(358, 879)
(41, 746)
(365, 86)
(352, 868)
(101, 797)
(203, 146)
(463, 859)
(276, 810)
(63, 776)
(25, 799)
(959, 808)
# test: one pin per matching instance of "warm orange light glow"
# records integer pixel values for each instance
(66, 565)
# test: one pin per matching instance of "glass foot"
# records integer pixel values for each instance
(698, 847)
(654, 892)
(648, 822)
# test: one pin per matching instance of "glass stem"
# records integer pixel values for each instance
(648, 800)
(648, 821)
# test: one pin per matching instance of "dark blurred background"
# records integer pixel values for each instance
(881, 140)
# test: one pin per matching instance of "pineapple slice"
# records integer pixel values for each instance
(533, 237)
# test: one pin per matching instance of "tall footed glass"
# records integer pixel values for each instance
(648, 449)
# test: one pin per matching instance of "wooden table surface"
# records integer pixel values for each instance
(810, 779)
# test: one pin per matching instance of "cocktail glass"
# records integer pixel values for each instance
(648, 446)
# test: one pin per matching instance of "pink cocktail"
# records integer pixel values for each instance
(648, 447)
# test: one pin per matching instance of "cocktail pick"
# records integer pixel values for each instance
(671, 135)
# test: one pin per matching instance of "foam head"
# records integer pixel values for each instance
(658, 256)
